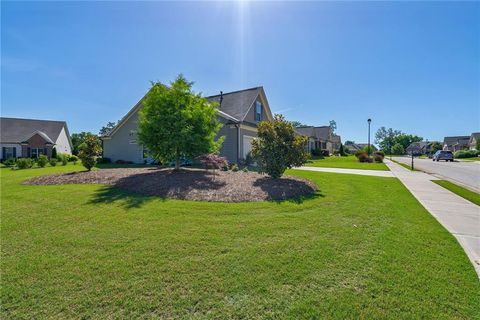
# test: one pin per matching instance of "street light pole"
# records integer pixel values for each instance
(368, 150)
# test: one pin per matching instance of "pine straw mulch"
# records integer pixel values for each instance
(189, 184)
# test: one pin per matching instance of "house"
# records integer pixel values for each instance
(354, 147)
(420, 147)
(320, 138)
(239, 112)
(474, 138)
(456, 143)
(29, 138)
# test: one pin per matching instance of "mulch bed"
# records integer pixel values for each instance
(189, 184)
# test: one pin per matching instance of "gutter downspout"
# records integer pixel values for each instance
(238, 142)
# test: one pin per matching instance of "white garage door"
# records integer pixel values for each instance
(247, 145)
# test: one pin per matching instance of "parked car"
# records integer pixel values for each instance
(443, 155)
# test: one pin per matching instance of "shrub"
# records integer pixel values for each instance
(360, 153)
(378, 158)
(249, 159)
(234, 167)
(54, 152)
(380, 153)
(213, 161)
(325, 153)
(104, 160)
(73, 159)
(9, 162)
(24, 163)
(65, 160)
(89, 150)
(53, 162)
(42, 161)
(226, 167)
(278, 148)
(341, 151)
(466, 154)
(317, 152)
(122, 162)
(363, 157)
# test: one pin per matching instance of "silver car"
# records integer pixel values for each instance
(443, 155)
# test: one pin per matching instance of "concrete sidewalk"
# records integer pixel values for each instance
(459, 216)
(376, 173)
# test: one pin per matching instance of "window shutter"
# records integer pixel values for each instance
(28, 152)
(3, 153)
(14, 152)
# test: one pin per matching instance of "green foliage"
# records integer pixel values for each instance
(341, 150)
(78, 139)
(398, 149)
(10, 162)
(278, 148)
(53, 162)
(297, 124)
(477, 145)
(372, 149)
(249, 160)
(54, 152)
(177, 123)
(333, 125)
(42, 160)
(89, 150)
(387, 138)
(107, 128)
(234, 167)
(24, 163)
(73, 158)
(466, 154)
(435, 146)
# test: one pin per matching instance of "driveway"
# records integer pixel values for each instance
(461, 172)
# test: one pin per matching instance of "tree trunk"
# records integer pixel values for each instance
(177, 163)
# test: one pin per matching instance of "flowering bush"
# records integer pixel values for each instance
(213, 161)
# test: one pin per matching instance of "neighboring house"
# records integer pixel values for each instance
(239, 112)
(320, 138)
(30, 138)
(456, 143)
(420, 147)
(474, 138)
(352, 147)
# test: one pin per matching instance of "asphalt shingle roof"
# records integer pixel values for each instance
(237, 103)
(15, 130)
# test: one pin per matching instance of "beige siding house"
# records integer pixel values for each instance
(320, 138)
(239, 112)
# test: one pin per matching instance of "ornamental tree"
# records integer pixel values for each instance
(89, 150)
(278, 148)
(177, 123)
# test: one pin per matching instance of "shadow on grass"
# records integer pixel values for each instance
(129, 200)
(288, 189)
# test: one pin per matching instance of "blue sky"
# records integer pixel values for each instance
(413, 66)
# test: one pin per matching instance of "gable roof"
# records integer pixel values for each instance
(234, 107)
(449, 141)
(475, 135)
(323, 132)
(16, 130)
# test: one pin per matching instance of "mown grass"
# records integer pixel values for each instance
(362, 248)
(461, 191)
(406, 166)
(349, 162)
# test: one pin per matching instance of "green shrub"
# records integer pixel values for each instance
(398, 149)
(89, 150)
(24, 163)
(73, 158)
(466, 154)
(104, 160)
(9, 162)
(54, 152)
(225, 167)
(42, 161)
(378, 158)
(360, 153)
(317, 152)
(65, 160)
(245, 169)
(248, 159)
(341, 151)
(234, 167)
(53, 162)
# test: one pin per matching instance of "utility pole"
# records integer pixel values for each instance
(369, 121)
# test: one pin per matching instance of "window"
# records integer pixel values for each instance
(258, 111)
(36, 152)
(9, 152)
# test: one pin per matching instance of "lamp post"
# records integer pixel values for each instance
(368, 150)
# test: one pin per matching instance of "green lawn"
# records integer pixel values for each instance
(362, 248)
(406, 166)
(350, 162)
(461, 191)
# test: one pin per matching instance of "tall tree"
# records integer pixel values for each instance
(407, 139)
(107, 128)
(385, 138)
(277, 147)
(333, 125)
(177, 123)
(297, 124)
(435, 146)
